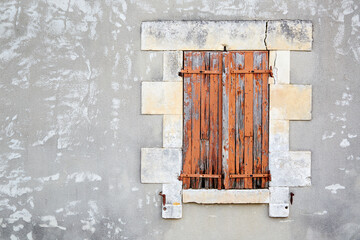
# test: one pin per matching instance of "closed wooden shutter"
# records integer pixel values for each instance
(225, 120)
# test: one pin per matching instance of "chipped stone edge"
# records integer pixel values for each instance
(277, 208)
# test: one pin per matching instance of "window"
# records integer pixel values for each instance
(226, 120)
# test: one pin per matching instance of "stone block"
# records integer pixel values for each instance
(172, 65)
(172, 192)
(290, 169)
(278, 210)
(280, 63)
(161, 98)
(279, 195)
(289, 35)
(290, 102)
(172, 211)
(203, 35)
(160, 165)
(279, 136)
(172, 131)
(214, 196)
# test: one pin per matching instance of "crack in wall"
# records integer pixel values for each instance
(266, 32)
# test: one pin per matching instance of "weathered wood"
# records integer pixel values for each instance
(265, 122)
(257, 117)
(248, 125)
(225, 120)
(220, 107)
(187, 159)
(195, 117)
(214, 118)
(204, 118)
(239, 62)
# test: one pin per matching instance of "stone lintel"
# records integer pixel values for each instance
(235, 35)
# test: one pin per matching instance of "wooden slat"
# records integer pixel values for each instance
(220, 127)
(257, 117)
(232, 119)
(248, 125)
(187, 160)
(195, 117)
(239, 62)
(214, 118)
(265, 121)
(204, 119)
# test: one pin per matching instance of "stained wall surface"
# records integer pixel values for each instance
(71, 128)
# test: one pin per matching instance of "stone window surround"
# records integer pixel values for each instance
(287, 102)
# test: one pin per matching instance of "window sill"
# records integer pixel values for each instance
(214, 196)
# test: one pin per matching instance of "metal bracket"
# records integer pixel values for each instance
(163, 199)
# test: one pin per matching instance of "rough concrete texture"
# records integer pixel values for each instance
(279, 136)
(160, 165)
(71, 125)
(214, 196)
(161, 98)
(290, 102)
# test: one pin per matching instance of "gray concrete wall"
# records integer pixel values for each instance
(71, 128)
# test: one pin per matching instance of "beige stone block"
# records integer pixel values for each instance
(290, 102)
(214, 196)
(161, 98)
(280, 63)
(172, 65)
(172, 131)
(279, 136)
(290, 169)
(203, 35)
(289, 35)
(160, 165)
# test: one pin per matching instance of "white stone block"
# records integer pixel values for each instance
(290, 169)
(278, 210)
(279, 195)
(214, 196)
(289, 35)
(172, 131)
(173, 63)
(172, 211)
(280, 63)
(203, 35)
(279, 136)
(290, 102)
(172, 192)
(161, 98)
(160, 165)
